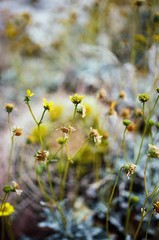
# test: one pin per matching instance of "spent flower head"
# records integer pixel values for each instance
(17, 131)
(67, 130)
(47, 105)
(16, 188)
(9, 107)
(42, 156)
(129, 168)
(76, 99)
(94, 134)
(6, 209)
(143, 97)
(153, 151)
(81, 110)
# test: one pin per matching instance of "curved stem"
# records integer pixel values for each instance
(148, 224)
(28, 104)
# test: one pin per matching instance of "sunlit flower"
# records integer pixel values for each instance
(47, 105)
(17, 131)
(6, 209)
(42, 156)
(76, 99)
(94, 134)
(129, 168)
(153, 151)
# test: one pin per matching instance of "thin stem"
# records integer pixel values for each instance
(28, 104)
(42, 116)
(143, 111)
(145, 182)
(123, 145)
(148, 224)
(40, 137)
(143, 215)
(9, 123)
(10, 159)
(110, 202)
(74, 114)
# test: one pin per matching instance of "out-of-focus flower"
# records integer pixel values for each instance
(143, 97)
(6, 209)
(47, 105)
(126, 122)
(9, 107)
(156, 207)
(17, 131)
(94, 134)
(81, 110)
(131, 127)
(29, 93)
(15, 187)
(153, 151)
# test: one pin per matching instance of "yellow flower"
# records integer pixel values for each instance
(76, 99)
(29, 93)
(47, 105)
(6, 209)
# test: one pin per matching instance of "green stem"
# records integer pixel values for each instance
(110, 202)
(10, 159)
(74, 114)
(28, 104)
(148, 224)
(145, 182)
(143, 215)
(40, 138)
(123, 145)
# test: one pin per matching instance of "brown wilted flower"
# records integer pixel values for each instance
(42, 156)
(95, 135)
(17, 131)
(67, 130)
(129, 168)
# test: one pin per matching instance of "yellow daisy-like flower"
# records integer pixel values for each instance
(6, 209)
(76, 99)
(29, 93)
(47, 105)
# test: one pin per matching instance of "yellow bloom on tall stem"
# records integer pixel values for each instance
(29, 93)
(47, 105)
(6, 209)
